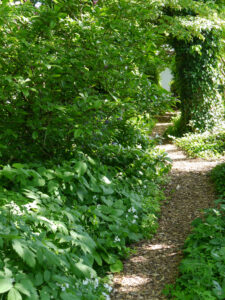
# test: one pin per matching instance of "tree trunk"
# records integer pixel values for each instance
(197, 78)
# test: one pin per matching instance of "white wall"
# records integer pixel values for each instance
(165, 78)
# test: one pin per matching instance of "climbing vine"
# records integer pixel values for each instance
(197, 37)
(198, 78)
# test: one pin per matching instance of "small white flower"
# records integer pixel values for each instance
(106, 296)
(108, 287)
(67, 285)
(133, 210)
(38, 4)
(117, 239)
(133, 221)
(135, 216)
(85, 282)
(63, 288)
(96, 283)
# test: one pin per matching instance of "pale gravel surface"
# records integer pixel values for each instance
(156, 261)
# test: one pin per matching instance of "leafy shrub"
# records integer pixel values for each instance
(76, 77)
(202, 270)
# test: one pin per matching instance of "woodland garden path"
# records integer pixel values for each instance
(155, 262)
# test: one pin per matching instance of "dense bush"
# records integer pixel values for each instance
(72, 76)
(202, 268)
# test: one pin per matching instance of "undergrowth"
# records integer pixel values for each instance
(61, 227)
(207, 145)
(202, 270)
(173, 130)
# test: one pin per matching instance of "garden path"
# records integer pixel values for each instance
(155, 262)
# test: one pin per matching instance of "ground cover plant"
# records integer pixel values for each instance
(202, 268)
(62, 226)
(206, 145)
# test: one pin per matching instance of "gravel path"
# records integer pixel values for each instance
(156, 261)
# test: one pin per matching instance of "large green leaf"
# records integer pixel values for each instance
(84, 241)
(5, 285)
(47, 275)
(24, 252)
(107, 190)
(80, 168)
(38, 280)
(14, 295)
(23, 287)
(116, 267)
(44, 295)
(84, 270)
(97, 258)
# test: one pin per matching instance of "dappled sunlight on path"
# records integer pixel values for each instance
(183, 164)
(155, 262)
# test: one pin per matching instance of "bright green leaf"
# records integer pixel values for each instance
(80, 168)
(14, 295)
(5, 285)
(23, 288)
(116, 267)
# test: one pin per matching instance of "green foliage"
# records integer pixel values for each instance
(174, 130)
(61, 225)
(206, 145)
(79, 176)
(202, 270)
(218, 177)
(76, 76)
